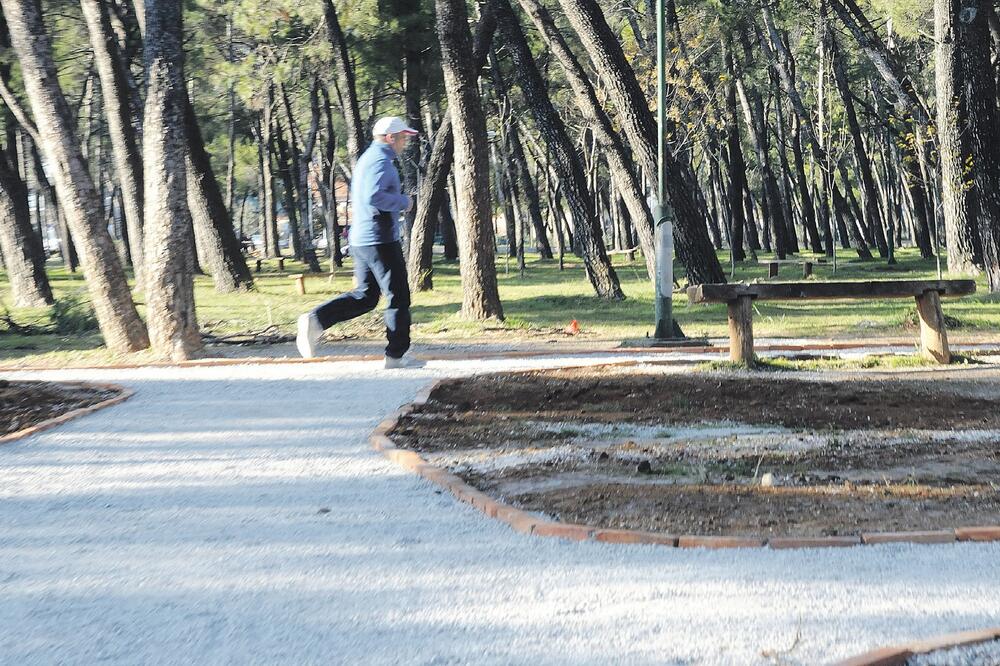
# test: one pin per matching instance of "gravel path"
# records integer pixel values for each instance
(238, 515)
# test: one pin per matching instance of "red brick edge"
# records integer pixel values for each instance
(123, 395)
(898, 654)
(529, 523)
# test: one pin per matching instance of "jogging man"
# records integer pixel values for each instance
(379, 267)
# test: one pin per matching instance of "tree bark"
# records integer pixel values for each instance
(116, 314)
(173, 326)
(220, 248)
(346, 88)
(433, 193)
(958, 197)
(619, 164)
(480, 296)
(21, 248)
(873, 216)
(694, 247)
(120, 117)
(567, 160)
(985, 129)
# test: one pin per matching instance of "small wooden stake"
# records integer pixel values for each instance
(807, 269)
(741, 330)
(300, 284)
(772, 269)
(933, 335)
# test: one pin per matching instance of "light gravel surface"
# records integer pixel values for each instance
(238, 515)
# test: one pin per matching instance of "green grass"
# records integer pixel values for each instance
(537, 306)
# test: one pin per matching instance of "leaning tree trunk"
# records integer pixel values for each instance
(567, 161)
(694, 247)
(346, 89)
(433, 192)
(213, 227)
(958, 199)
(117, 317)
(873, 215)
(22, 250)
(173, 327)
(527, 185)
(120, 116)
(618, 162)
(480, 296)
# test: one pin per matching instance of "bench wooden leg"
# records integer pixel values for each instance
(933, 335)
(772, 269)
(257, 268)
(741, 330)
(807, 269)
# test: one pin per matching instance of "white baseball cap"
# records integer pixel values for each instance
(391, 125)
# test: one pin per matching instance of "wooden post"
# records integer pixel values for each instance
(300, 284)
(741, 330)
(807, 269)
(281, 264)
(772, 269)
(933, 336)
(259, 263)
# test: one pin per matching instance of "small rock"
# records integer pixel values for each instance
(767, 480)
(324, 510)
(644, 467)
(604, 456)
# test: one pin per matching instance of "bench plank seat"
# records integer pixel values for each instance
(787, 291)
(739, 298)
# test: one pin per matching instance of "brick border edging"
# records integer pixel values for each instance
(123, 395)
(898, 654)
(528, 523)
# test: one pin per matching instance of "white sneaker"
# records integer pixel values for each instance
(309, 335)
(404, 362)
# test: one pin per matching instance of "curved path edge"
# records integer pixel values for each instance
(123, 395)
(898, 654)
(531, 523)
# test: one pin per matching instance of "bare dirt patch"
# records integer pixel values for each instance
(725, 453)
(25, 404)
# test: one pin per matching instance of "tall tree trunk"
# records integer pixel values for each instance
(694, 247)
(984, 123)
(120, 117)
(347, 91)
(173, 327)
(288, 189)
(480, 296)
(116, 314)
(802, 182)
(567, 161)
(958, 198)
(220, 248)
(619, 164)
(433, 192)
(527, 186)
(873, 216)
(737, 174)
(21, 248)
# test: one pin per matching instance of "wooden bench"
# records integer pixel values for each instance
(281, 265)
(774, 264)
(739, 299)
(300, 280)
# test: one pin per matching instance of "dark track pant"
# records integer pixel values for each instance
(378, 269)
